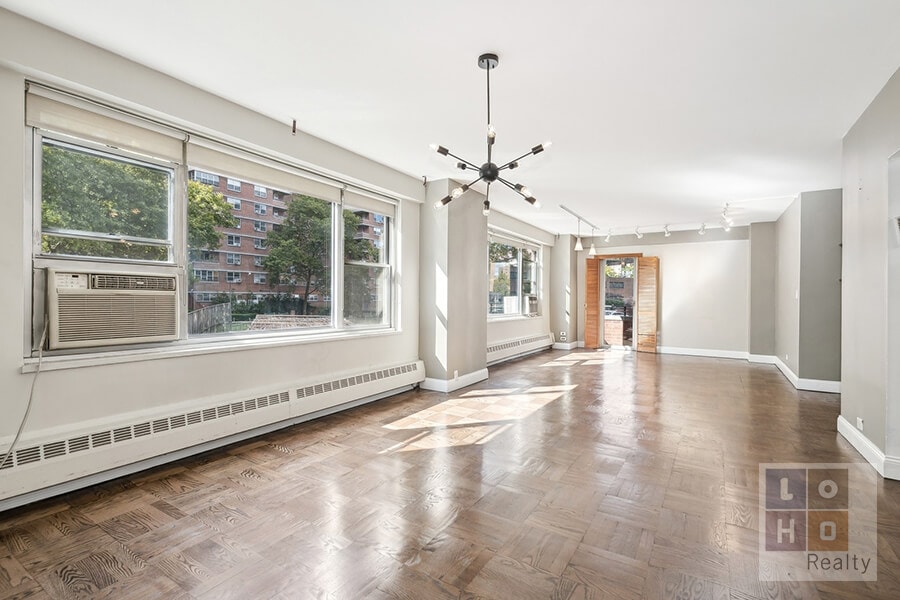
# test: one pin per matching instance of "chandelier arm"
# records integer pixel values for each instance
(515, 160)
(510, 186)
(474, 166)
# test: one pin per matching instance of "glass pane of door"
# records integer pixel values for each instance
(618, 302)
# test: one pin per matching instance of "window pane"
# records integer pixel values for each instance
(365, 236)
(529, 281)
(97, 204)
(284, 277)
(366, 286)
(503, 286)
(366, 295)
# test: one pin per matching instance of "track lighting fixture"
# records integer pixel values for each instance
(702, 230)
(666, 231)
(608, 235)
(489, 172)
(593, 250)
(638, 233)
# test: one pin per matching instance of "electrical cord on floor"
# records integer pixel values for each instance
(37, 372)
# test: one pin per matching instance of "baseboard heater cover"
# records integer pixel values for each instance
(33, 455)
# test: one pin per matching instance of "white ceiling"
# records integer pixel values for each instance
(659, 111)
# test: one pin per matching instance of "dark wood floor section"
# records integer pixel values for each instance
(583, 475)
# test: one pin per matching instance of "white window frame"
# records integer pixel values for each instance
(232, 258)
(232, 185)
(260, 278)
(179, 262)
(259, 208)
(509, 240)
(260, 191)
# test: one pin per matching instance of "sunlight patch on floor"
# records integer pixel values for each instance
(475, 417)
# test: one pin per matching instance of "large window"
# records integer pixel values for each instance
(512, 278)
(110, 193)
(367, 271)
(296, 264)
(97, 204)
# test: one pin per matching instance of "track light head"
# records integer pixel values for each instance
(702, 230)
(439, 149)
(638, 233)
(486, 211)
(666, 231)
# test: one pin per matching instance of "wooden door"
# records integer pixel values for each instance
(647, 303)
(592, 303)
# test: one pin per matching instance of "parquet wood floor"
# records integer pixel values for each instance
(567, 476)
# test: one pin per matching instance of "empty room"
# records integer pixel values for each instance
(413, 301)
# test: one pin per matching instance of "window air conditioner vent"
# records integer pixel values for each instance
(97, 309)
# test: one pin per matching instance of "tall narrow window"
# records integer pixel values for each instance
(366, 268)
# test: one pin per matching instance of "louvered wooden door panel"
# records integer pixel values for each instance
(647, 303)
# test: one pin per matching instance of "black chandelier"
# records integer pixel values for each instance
(489, 172)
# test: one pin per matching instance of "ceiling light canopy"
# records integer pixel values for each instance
(489, 172)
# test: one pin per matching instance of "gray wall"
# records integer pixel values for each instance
(762, 289)
(433, 277)
(564, 290)
(95, 394)
(892, 418)
(467, 284)
(867, 148)
(820, 285)
(787, 287)
(704, 289)
(453, 284)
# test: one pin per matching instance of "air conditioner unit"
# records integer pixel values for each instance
(105, 309)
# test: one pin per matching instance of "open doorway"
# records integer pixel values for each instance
(621, 302)
(618, 277)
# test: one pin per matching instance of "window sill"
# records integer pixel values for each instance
(197, 347)
(504, 318)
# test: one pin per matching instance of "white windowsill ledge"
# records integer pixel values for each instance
(505, 318)
(185, 348)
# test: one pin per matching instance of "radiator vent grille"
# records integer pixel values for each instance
(118, 435)
(330, 386)
(519, 342)
(123, 434)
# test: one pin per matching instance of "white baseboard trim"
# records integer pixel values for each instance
(811, 385)
(580, 344)
(761, 358)
(703, 352)
(451, 385)
(872, 453)
(565, 345)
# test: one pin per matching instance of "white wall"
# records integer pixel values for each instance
(704, 294)
(88, 397)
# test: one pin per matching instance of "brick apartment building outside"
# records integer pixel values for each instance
(236, 268)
